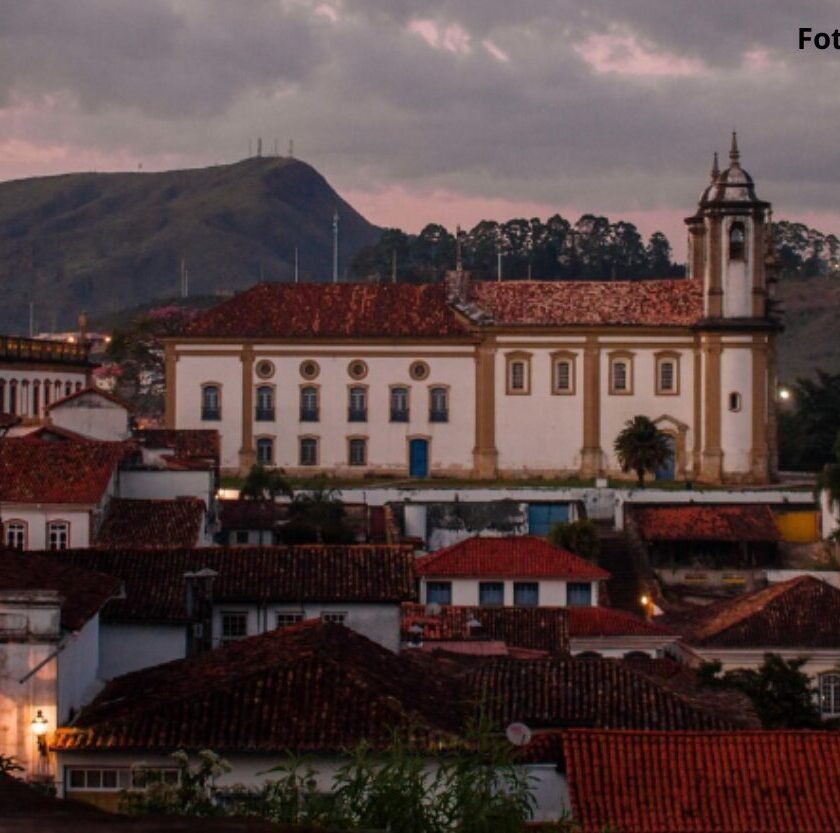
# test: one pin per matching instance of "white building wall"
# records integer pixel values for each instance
(130, 647)
(736, 426)
(94, 417)
(552, 593)
(163, 484)
(37, 517)
(25, 406)
(78, 669)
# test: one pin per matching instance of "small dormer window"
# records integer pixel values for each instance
(736, 241)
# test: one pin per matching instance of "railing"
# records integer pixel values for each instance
(399, 415)
(439, 416)
(309, 415)
(357, 415)
(264, 415)
(42, 350)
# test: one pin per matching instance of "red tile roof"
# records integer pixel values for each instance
(306, 688)
(676, 303)
(704, 782)
(583, 692)
(801, 613)
(706, 523)
(83, 592)
(523, 556)
(540, 628)
(251, 514)
(346, 310)
(152, 523)
(92, 391)
(201, 444)
(40, 471)
(154, 579)
(608, 621)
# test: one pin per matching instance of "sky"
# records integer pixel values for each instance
(447, 111)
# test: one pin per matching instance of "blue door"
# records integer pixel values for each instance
(542, 516)
(668, 469)
(418, 458)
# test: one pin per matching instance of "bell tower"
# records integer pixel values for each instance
(728, 242)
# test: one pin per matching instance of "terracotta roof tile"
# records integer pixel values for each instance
(345, 310)
(801, 613)
(103, 394)
(706, 523)
(523, 556)
(704, 782)
(151, 523)
(540, 628)
(201, 444)
(608, 621)
(676, 303)
(83, 592)
(154, 579)
(40, 471)
(251, 514)
(306, 688)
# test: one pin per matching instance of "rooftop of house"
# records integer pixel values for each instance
(800, 613)
(91, 393)
(319, 688)
(251, 514)
(183, 444)
(699, 782)
(343, 310)
(151, 523)
(706, 523)
(522, 556)
(40, 471)
(83, 593)
(596, 621)
(155, 586)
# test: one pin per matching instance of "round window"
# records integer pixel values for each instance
(309, 369)
(265, 369)
(418, 370)
(357, 369)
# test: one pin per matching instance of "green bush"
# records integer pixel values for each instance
(579, 537)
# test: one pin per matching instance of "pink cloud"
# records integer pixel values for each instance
(626, 55)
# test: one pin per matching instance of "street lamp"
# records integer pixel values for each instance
(39, 729)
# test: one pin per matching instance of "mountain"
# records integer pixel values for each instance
(107, 241)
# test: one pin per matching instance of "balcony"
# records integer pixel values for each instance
(264, 415)
(211, 414)
(309, 415)
(439, 416)
(357, 415)
(399, 415)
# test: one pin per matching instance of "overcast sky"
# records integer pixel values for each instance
(437, 110)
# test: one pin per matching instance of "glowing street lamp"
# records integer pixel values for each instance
(39, 729)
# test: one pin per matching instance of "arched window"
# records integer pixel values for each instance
(621, 374)
(47, 393)
(438, 405)
(399, 404)
(68, 388)
(308, 451)
(357, 410)
(36, 398)
(265, 451)
(78, 387)
(829, 693)
(265, 403)
(309, 404)
(734, 401)
(23, 403)
(736, 241)
(13, 396)
(57, 390)
(211, 402)
(16, 534)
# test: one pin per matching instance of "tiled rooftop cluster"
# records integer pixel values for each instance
(151, 523)
(707, 523)
(186, 445)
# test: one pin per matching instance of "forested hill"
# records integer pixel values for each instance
(104, 242)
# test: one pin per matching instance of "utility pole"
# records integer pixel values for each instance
(297, 266)
(498, 257)
(393, 265)
(335, 247)
(185, 279)
(31, 319)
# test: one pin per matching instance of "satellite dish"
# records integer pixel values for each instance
(518, 734)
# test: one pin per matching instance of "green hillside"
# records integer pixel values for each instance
(105, 242)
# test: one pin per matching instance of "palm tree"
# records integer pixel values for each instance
(642, 447)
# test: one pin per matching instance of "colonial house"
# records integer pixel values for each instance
(179, 602)
(796, 618)
(49, 645)
(522, 571)
(37, 372)
(686, 782)
(487, 379)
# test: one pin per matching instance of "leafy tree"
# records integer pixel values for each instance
(641, 447)
(265, 484)
(807, 432)
(316, 516)
(579, 537)
(781, 693)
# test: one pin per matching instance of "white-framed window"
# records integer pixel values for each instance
(58, 535)
(518, 373)
(16, 534)
(333, 617)
(234, 625)
(357, 404)
(526, 593)
(211, 402)
(491, 593)
(829, 689)
(309, 404)
(621, 374)
(117, 778)
(288, 617)
(265, 451)
(308, 449)
(563, 375)
(439, 592)
(357, 451)
(265, 404)
(667, 374)
(399, 403)
(579, 594)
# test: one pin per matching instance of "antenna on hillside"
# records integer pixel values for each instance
(259, 146)
(185, 279)
(291, 148)
(335, 247)
(31, 319)
(250, 149)
(393, 265)
(498, 256)
(297, 265)
(275, 148)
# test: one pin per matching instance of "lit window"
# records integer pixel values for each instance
(734, 401)
(286, 618)
(357, 406)
(234, 625)
(526, 593)
(491, 593)
(309, 404)
(309, 451)
(357, 452)
(16, 535)
(265, 451)
(100, 779)
(439, 592)
(399, 404)
(829, 689)
(211, 402)
(438, 405)
(579, 594)
(265, 403)
(58, 535)
(333, 617)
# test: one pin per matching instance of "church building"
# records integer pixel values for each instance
(486, 379)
